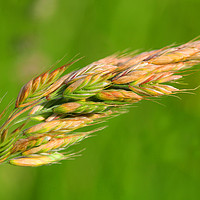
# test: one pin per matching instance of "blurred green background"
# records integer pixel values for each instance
(153, 152)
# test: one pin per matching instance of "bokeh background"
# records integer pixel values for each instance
(153, 152)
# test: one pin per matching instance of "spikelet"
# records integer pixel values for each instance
(38, 159)
(118, 95)
(86, 87)
(81, 107)
(39, 87)
(58, 125)
(60, 141)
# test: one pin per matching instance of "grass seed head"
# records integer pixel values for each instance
(65, 103)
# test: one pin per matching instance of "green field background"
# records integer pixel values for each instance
(150, 153)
